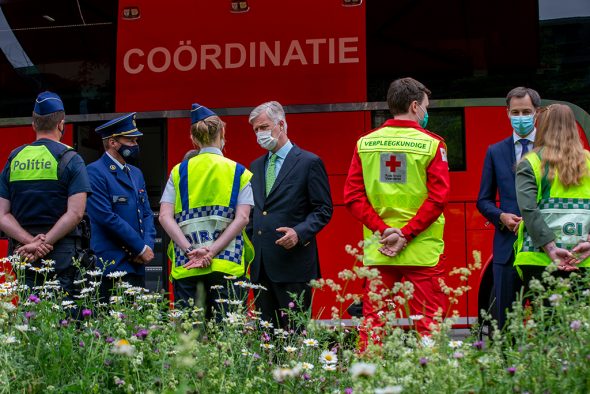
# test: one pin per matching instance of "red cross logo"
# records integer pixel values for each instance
(393, 164)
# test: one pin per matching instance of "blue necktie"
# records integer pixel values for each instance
(525, 146)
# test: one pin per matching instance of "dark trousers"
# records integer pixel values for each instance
(507, 285)
(63, 270)
(108, 285)
(211, 292)
(274, 301)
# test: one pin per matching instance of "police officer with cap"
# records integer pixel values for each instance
(204, 209)
(43, 190)
(121, 219)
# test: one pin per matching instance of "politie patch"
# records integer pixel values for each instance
(393, 168)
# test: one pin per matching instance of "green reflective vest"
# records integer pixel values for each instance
(394, 162)
(207, 188)
(33, 163)
(565, 210)
(38, 192)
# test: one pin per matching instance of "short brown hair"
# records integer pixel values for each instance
(521, 92)
(47, 122)
(206, 130)
(402, 92)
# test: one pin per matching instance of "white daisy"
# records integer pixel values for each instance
(94, 273)
(265, 324)
(328, 357)
(362, 369)
(389, 390)
(290, 349)
(116, 274)
(455, 344)
(122, 346)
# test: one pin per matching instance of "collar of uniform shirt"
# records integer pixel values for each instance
(121, 166)
(530, 137)
(284, 151)
(211, 149)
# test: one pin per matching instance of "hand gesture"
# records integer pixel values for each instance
(199, 258)
(562, 257)
(581, 251)
(289, 240)
(393, 242)
(145, 257)
(510, 221)
(35, 249)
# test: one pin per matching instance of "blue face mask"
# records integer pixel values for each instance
(523, 125)
(424, 121)
(129, 151)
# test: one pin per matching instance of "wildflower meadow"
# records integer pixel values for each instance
(52, 342)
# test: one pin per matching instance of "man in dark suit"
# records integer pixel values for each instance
(292, 203)
(122, 222)
(498, 179)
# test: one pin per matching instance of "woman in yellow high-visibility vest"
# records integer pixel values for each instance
(553, 193)
(204, 209)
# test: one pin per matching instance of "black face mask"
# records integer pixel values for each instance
(129, 151)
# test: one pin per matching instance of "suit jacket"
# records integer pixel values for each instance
(498, 178)
(300, 198)
(121, 219)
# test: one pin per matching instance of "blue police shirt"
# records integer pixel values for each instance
(41, 203)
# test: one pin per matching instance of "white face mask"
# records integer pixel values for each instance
(222, 144)
(266, 140)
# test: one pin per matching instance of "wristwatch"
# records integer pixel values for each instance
(188, 250)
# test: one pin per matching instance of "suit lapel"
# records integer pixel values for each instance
(509, 154)
(258, 182)
(289, 163)
(115, 170)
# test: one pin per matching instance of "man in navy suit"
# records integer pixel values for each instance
(120, 216)
(498, 178)
(292, 203)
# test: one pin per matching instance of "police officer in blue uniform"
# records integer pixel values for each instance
(43, 190)
(122, 222)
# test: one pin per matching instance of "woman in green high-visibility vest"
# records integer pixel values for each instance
(553, 194)
(204, 209)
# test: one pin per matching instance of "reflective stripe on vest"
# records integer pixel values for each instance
(33, 163)
(394, 162)
(207, 188)
(565, 210)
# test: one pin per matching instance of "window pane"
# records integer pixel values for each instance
(447, 123)
(471, 49)
(57, 46)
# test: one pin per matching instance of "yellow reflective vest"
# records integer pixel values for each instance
(566, 210)
(394, 162)
(207, 188)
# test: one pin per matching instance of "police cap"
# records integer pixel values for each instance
(123, 126)
(200, 112)
(48, 103)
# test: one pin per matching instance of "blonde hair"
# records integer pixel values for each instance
(559, 145)
(206, 131)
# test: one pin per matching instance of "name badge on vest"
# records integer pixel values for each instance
(393, 168)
